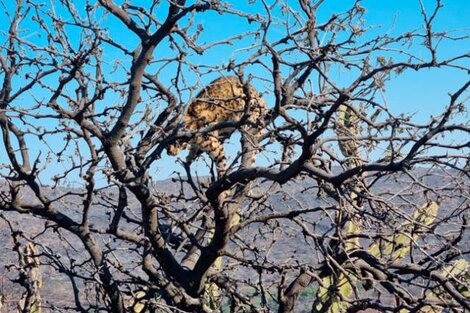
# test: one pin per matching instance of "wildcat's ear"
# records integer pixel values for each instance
(172, 149)
(175, 148)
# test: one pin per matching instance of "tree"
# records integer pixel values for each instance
(350, 206)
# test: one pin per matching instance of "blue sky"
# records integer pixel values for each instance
(423, 92)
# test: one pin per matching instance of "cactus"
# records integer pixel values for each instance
(398, 245)
(331, 294)
(212, 293)
(336, 289)
(139, 301)
(348, 126)
(31, 279)
(460, 270)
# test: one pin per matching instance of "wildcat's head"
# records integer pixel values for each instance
(175, 148)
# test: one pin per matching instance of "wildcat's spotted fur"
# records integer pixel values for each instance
(222, 100)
